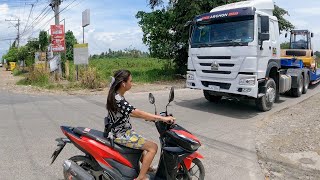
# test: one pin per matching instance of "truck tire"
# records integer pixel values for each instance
(306, 83)
(265, 103)
(211, 97)
(297, 92)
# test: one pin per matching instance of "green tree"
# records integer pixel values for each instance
(12, 55)
(285, 45)
(284, 25)
(33, 44)
(164, 32)
(43, 40)
(70, 41)
(23, 53)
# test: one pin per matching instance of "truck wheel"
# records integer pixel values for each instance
(296, 92)
(265, 103)
(306, 83)
(211, 97)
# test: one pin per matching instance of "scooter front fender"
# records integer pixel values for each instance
(188, 160)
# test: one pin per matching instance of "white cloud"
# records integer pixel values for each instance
(129, 38)
(4, 9)
(91, 30)
(310, 11)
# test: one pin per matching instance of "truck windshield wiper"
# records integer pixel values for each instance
(204, 45)
(232, 41)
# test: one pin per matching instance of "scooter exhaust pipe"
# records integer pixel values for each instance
(73, 171)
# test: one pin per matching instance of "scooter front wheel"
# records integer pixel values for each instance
(196, 171)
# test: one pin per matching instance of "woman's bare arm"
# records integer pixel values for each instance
(148, 116)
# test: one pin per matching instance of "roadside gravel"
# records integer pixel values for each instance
(288, 142)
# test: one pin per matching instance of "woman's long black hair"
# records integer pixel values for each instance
(119, 76)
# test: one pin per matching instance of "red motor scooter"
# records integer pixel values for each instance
(105, 160)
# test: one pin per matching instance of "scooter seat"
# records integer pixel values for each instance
(98, 136)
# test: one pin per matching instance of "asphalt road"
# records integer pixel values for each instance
(29, 125)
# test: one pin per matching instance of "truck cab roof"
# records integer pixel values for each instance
(266, 6)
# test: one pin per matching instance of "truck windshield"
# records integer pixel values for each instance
(237, 32)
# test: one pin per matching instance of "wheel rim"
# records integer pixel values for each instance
(194, 171)
(271, 94)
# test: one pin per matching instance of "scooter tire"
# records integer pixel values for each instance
(90, 165)
(191, 174)
(198, 163)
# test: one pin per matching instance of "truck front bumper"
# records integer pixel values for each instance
(228, 86)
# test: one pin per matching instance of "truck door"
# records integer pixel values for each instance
(274, 40)
(265, 51)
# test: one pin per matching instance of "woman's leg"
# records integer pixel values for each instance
(151, 169)
(151, 150)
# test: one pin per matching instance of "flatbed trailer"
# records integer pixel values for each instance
(300, 75)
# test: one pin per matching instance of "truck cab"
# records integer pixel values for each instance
(234, 50)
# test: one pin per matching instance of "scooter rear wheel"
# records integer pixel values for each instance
(90, 166)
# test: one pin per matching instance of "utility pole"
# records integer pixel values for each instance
(18, 37)
(55, 7)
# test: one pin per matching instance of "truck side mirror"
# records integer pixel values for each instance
(264, 24)
(286, 35)
(264, 36)
(312, 35)
(188, 23)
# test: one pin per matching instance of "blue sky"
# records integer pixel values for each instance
(113, 23)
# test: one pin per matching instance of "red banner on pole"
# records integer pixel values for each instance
(57, 38)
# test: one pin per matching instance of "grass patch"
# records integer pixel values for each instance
(36, 77)
(97, 74)
(18, 72)
(146, 70)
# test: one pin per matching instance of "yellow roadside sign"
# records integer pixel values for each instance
(80, 45)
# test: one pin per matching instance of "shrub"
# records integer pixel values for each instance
(38, 76)
(89, 78)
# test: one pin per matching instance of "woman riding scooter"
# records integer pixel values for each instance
(119, 112)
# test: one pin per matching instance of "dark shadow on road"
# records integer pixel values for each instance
(244, 109)
(313, 86)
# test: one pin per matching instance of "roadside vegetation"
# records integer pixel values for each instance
(97, 74)
(163, 32)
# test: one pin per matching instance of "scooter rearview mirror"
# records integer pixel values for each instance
(152, 101)
(171, 95)
(151, 98)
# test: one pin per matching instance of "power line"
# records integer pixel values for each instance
(35, 22)
(32, 5)
(46, 23)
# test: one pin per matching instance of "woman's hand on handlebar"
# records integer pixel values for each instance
(168, 119)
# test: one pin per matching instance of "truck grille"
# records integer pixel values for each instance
(216, 72)
(214, 57)
(220, 64)
(221, 85)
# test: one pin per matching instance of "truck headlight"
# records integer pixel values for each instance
(190, 77)
(247, 81)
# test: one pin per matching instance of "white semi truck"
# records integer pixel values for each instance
(234, 50)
